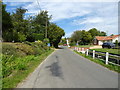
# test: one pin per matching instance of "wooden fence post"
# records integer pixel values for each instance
(107, 56)
(93, 54)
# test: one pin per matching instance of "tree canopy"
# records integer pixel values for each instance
(6, 24)
(55, 34)
(17, 28)
(84, 37)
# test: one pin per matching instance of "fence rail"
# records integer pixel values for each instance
(104, 56)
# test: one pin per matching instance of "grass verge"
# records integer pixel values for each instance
(109, 66)
(114, 51)
(19, 75)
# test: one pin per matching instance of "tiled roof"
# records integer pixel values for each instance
(102, 38)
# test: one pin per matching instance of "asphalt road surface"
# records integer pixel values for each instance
(66, 69)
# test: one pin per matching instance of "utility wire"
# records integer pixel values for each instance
(39, 5)
(46, 19)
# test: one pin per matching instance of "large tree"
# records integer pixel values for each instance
(86, 38)
(55, 34)
(6, 25)
(94, 32)
(76, 36)
(41, 23)
(82, 37)
(20, 25)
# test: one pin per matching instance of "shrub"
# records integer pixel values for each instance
(27, 49)
(72, 43)
(8, 49)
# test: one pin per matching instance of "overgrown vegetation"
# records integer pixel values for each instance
(109, 66)
(19, 59)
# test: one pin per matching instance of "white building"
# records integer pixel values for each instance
(99, 40)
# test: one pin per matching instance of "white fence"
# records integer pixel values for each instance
(104, 56)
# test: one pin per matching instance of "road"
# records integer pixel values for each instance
(66, 69)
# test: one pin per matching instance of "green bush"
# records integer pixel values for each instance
(8, 49)
(27, 49)
(16, 56)
(72, 43)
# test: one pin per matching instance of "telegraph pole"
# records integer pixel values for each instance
(45, 22)
(46, 29)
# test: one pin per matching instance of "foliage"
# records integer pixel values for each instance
(55, 34)
(116, 43)
(21, 67)
(63, 41)
(83, 37)
(20, 25)
(94, 32)
(73, 43)
(76, 36)
(31, 29)
(46, 41)
(19, 57)
(6, 24)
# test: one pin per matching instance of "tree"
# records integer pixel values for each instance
(55, 34)
(86, 38)
(20, 25)
(76, 36)
(63, 41)
(94, 32)
(6, 25)
(112, 35)
(82, 37)
(116, 43)
(102, 33)
(41, 23)
(37, 26)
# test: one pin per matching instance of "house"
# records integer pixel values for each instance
(99, 40)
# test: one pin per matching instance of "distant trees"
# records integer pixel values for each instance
(83, 37)
(17, 28)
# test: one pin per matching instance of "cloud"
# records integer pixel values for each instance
(86, 15)
(63, 0)
(68, 34)
(59, 10)
(102, 15)
(89, 20)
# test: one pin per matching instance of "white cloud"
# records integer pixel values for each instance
(63, 0)
(90, 20)
(102, 15)
(60, 10)
(68, 34)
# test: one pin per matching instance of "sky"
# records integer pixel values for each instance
(72, 15)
